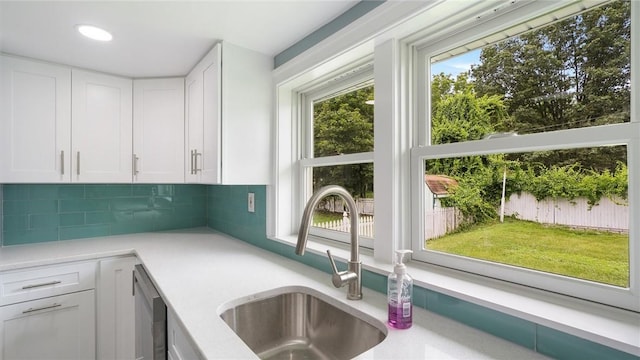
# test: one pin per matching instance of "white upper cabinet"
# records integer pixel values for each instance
(35, 121)
(194, 121)
(158, 130)
(247, 94)
(59, 124)
(102, 128)
(228, 97)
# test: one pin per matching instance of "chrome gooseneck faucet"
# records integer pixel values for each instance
(353, 274)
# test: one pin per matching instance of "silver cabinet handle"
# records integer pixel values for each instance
(194, 161)
(78, 163)
(192, 156)
(135, 164)
(62, 162)
(41, 285)
(30, 310)
(195, 157)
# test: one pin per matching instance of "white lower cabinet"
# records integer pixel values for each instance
(116, 309)
(59, 327)
(71, 311)
(179, 345)
(48, 312)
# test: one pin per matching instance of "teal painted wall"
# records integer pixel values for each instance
(34, 213)
(344, 19)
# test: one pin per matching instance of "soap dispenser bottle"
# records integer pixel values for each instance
(400, 293)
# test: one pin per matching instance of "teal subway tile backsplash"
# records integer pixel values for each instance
(34, 213)
(40, 213)
(559, 345)
(508, 327)
(227, 212)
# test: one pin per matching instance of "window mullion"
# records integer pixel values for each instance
(346, 159)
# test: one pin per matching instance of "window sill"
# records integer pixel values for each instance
(609, 326)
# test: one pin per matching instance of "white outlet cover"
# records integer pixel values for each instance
(251, 202)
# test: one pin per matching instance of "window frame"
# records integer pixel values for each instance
(356, 75)
(619, 134)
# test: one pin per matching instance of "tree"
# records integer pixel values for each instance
(344, 125)
(570, 74)
(458, 114)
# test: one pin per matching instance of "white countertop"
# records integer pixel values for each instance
(198, 270)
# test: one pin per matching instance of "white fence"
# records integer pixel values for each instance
(365, 206)
(608, 215)
(365, 226)
(440, 221)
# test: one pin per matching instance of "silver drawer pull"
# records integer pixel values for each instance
(41, 285)
(30, 310)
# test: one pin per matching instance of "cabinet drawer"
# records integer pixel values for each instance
(34, 283)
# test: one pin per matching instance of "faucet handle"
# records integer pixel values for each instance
(340, 278)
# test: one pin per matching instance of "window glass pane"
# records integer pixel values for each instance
(343, 124)
(568, 74)
(331, 213)
(564, 211)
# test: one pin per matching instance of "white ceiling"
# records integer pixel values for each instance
(156, 38)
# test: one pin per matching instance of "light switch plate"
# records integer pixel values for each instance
(251, 202)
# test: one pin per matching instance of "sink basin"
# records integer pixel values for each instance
(301, 323)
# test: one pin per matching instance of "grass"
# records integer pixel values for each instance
(590, 255)
(324, 216)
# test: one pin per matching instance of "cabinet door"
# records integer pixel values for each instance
(60, 327)
(158, 130)
(102, 128)
(203, 111)
(179, 346)
(116, 309)
(246, 135)
(211, 125)
(193, 124)
(35, 121)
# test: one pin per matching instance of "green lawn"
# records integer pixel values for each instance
(324, 216)
(590, 255)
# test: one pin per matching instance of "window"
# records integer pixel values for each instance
(338, 150)
(528, 148)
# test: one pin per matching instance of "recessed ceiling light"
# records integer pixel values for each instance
(94, 33)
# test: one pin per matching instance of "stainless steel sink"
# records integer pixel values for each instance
(301, 323)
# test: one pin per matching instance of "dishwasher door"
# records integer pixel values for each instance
(151, 318)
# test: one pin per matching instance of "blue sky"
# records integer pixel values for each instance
(457, 64)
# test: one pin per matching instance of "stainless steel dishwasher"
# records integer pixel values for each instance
(151, 318)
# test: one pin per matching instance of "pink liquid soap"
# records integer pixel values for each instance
(396, 318)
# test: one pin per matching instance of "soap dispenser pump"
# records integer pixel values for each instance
(400, 293)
